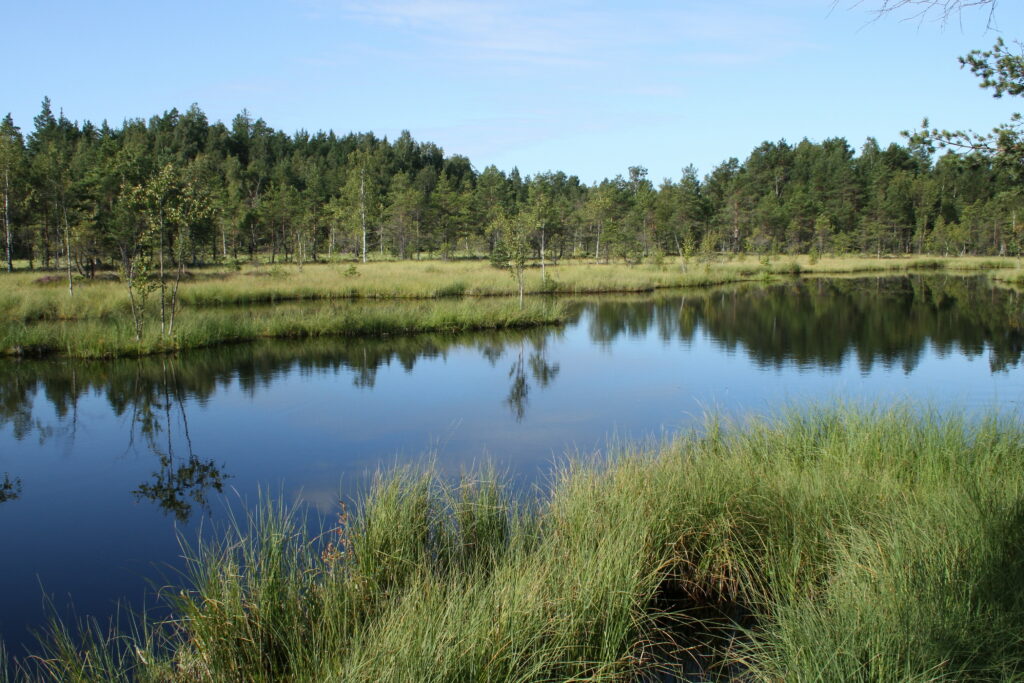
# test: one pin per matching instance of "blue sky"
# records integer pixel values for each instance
(589, 88)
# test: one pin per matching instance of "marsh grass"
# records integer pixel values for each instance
(829, 544)
(38, 317)
(197, 328)
(27, 297)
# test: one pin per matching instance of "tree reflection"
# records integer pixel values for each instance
(151, 389)
(10, 489)
(155, 392)
(520, 389)
(181, 481)
(541, 369)
(177, 485)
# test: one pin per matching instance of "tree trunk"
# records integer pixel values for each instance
(7, 218)
(163, 287)
(137, 307)
(174, 298)
(362, 209)
(45, 233)
(543, 273)
(67, 247)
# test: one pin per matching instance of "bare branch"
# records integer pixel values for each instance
(921, 11)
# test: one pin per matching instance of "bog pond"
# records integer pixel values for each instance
(105, 465)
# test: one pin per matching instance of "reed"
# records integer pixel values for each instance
(826, 544)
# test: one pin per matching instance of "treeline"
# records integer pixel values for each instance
(178, 189)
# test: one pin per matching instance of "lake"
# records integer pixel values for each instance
(104, 464)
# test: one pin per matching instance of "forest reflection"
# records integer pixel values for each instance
(805, 323)
(154, 393)
(820, 323)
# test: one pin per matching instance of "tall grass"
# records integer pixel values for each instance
(197, 328)
(831, 544)
(26, 297)
(37, 316)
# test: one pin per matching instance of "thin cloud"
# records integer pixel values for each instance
(498, 30)
(573, 34)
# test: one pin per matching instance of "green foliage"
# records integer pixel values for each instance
(169, 206)
(513, 236)
(13, 184)
(1001, 70)
(550, 286)
(81, 199)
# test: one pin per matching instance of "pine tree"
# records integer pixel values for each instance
(12, 159)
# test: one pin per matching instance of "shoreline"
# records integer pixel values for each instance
(43, 321)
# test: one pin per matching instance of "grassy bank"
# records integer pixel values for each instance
(37, 316)
(831, 545)
(30, 296)
(198, 328)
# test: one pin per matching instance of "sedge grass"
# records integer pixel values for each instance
(26, 297)
(831, 544)
(37, 316)
(198, 328)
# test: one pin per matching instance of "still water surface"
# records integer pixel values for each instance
(103, 464)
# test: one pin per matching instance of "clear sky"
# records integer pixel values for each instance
(589, 88)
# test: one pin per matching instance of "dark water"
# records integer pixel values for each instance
(103, 464)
